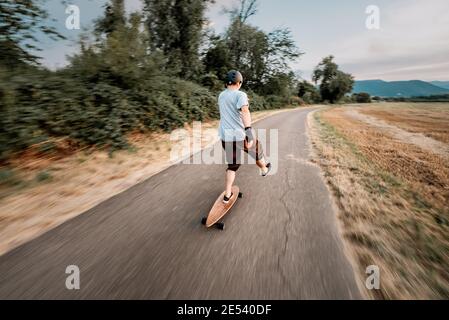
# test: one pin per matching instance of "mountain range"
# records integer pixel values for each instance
(442, 84)
(412, 88)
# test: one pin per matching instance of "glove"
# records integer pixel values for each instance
(249, 134)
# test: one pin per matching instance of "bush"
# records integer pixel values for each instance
(36, 107)
(43, 176)
(211, 81)
(8, 177)
(276, 102)
(296, 101)
(361, 97)
(346, 99)
(308, 98)
(308, 93)
(256, 102)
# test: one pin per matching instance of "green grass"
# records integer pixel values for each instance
(10, 182)
(331, 135)
(43, 176)
(8, 177)
(47, 147)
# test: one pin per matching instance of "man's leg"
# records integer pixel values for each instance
(257, 153)
(230, 177)
(261, 164)
(233, 161)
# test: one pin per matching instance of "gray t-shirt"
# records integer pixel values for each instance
(231, 125)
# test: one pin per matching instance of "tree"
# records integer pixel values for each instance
(217, 59)
(308, 92)
(20, 21)
(120, 59)
(113, 18)
(243, 11)
(281, 51)
(262, 57)
(334, 84)
(176, 29)
(281, 84)
(239, 16)
(248, 49)
(258, 55)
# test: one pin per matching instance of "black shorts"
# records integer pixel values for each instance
(233, 151)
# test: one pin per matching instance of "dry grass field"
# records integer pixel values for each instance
(431, 120)
(388, 167)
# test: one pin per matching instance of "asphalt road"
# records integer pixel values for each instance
(281, 240)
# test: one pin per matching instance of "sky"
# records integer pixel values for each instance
(412, 41)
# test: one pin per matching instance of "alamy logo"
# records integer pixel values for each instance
(373, 19)
(187, 147)
(73, 20)
(373, 279)
(72, 282)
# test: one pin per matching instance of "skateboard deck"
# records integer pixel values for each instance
(219, 209)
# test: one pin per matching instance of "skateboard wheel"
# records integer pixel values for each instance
(203, 221)
(220, 225)
(240, 195)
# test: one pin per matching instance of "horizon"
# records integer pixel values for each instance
(397, 51)
(408, 80)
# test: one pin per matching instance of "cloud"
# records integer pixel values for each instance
(412, 43)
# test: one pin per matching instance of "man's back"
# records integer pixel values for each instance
(231, 125)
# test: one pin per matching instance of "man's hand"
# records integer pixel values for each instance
(246, 118)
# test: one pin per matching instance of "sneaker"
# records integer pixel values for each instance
(226, 199)
(264, 174)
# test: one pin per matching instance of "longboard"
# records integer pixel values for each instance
(219, 209)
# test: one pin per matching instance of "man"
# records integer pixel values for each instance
(235, 130)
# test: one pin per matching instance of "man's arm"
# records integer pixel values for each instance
(246, 116)
(246, 119)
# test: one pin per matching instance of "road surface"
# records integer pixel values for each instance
(281, 240)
